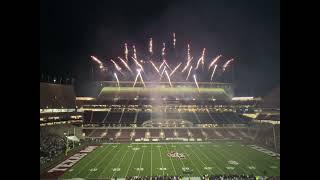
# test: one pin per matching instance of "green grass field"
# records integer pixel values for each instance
(121, 160)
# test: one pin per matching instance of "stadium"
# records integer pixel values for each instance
(163, 90)
(158, 130)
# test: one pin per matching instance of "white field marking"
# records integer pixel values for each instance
(201, 145)
(194, 165)
(179, 158)
(108, 162)
(144, 146)
(115, 169)
(273, 167)
(83, 167)
(120, 163)
(173, 146)
(175, 172)
(129, 146)
(199, 159)
(151, 160)
(246, 172)
(93, 169)
(232, 162)
(241, 157)
(158, 146)
(141, 161)
(187, 145)
(207, 168)
(114, 146)
(212, 161)
(218, 157)
(161, 160)
(106, 155)
(230, 168)
(135, 149)
(70, 170)
(139, 169)
(131, 161)
(251, 167)
(170, 143)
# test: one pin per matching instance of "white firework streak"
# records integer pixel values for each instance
(142, 80)
(126, 51)
(198, 63)
(188, 63)
(96, 60)
(165, 62)
(195, 80)
(168, 78)
(125, 64)
(135, 81)
(161, 65)
(163, 50)
(162, 72)
(137, 63)
(150, 46)
(189, 52)
(155, 67)
(202, 56)
(189, 73)
(134, 52)
(116, 65)
(115, 75)
(214, 61)
(174, 40)
(226, 64)
(174, 70)
(214, 69)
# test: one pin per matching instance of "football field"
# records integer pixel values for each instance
(185, 159)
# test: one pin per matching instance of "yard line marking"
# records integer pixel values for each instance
(130, 162)
(151, 160)
(171, 161)
(161, 161)
(227, 159)
(199, 159)
(101, 161)
(90, 161)
(194, 165)
(141, 161)
(119, 163)
(109, 161)
(211, 161)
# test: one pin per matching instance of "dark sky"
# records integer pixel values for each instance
(248, 31)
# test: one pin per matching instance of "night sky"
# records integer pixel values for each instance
(248, 31)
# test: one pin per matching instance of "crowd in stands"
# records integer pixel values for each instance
(51, 146)
(111, 118)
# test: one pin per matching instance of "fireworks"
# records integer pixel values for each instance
(168, 78)
(164, 55)
(134, 52)
(137, 63)
(201, 59)
(189, 73)
(163, 50)
(116, 65)
(226, 64)
(139, 75)
(98, 61)
(155, 67)
(115, 75)
(174, 70)
(126, 51)
(125, 64)
(174, 40)
(162, 72)
(214, 61)
(150, 46)
(195, 80)
(188, 63)
(214, 69)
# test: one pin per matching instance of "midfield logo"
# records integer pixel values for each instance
(176, 155)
